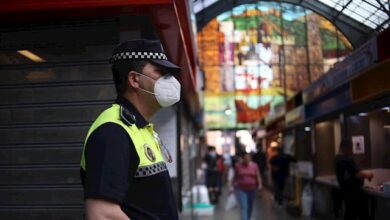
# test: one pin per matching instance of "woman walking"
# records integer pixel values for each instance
(246, 182)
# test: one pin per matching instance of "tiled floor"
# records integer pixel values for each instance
(263, 210)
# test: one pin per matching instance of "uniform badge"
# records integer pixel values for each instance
(149, 153)
(127, 117)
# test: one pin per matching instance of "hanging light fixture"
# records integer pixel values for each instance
(228, 111)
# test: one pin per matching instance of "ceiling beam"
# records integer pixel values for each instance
(381, 26)
(383, 7)
(341, 11)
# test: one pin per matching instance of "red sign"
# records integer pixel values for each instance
(246, 114)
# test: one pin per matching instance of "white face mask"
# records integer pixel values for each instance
(166, 90)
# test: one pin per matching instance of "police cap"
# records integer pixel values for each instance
(142, 49)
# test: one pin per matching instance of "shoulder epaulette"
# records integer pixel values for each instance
(127, 117)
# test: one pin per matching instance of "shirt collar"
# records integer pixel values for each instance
(140, 121)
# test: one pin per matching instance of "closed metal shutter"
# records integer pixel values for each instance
(45, 111)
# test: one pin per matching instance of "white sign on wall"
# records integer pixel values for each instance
(358, 144)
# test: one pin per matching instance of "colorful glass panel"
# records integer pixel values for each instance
(257, 55)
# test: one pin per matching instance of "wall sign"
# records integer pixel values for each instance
(358, 144)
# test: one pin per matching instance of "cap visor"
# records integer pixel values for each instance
(170, 66)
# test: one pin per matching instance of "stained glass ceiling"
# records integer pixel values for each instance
(372, 13)
(247, 50)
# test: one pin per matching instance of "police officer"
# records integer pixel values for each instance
(123, 165)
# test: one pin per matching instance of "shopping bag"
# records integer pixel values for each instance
(231, 202)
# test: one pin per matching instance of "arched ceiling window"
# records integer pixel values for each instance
(373, 14)
(257, 55)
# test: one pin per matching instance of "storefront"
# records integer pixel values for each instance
(367, 125)
(357, 111)
(295, 115)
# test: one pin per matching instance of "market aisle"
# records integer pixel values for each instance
(263, 209)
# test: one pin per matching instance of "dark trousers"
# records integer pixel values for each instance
(356, 206)
(279, 189)
(214, 184)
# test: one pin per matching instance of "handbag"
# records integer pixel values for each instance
(231, 202)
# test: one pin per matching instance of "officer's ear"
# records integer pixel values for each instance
(133, 79)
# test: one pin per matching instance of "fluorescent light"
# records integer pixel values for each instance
(31, 56)
(363, 114)
(386, 109)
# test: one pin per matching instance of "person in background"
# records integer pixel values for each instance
(227, 161)
(240, 151)
(351, 180)
(261, 161)
(246, 182)
(280, 168)
(212, 174)
(221, 170)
